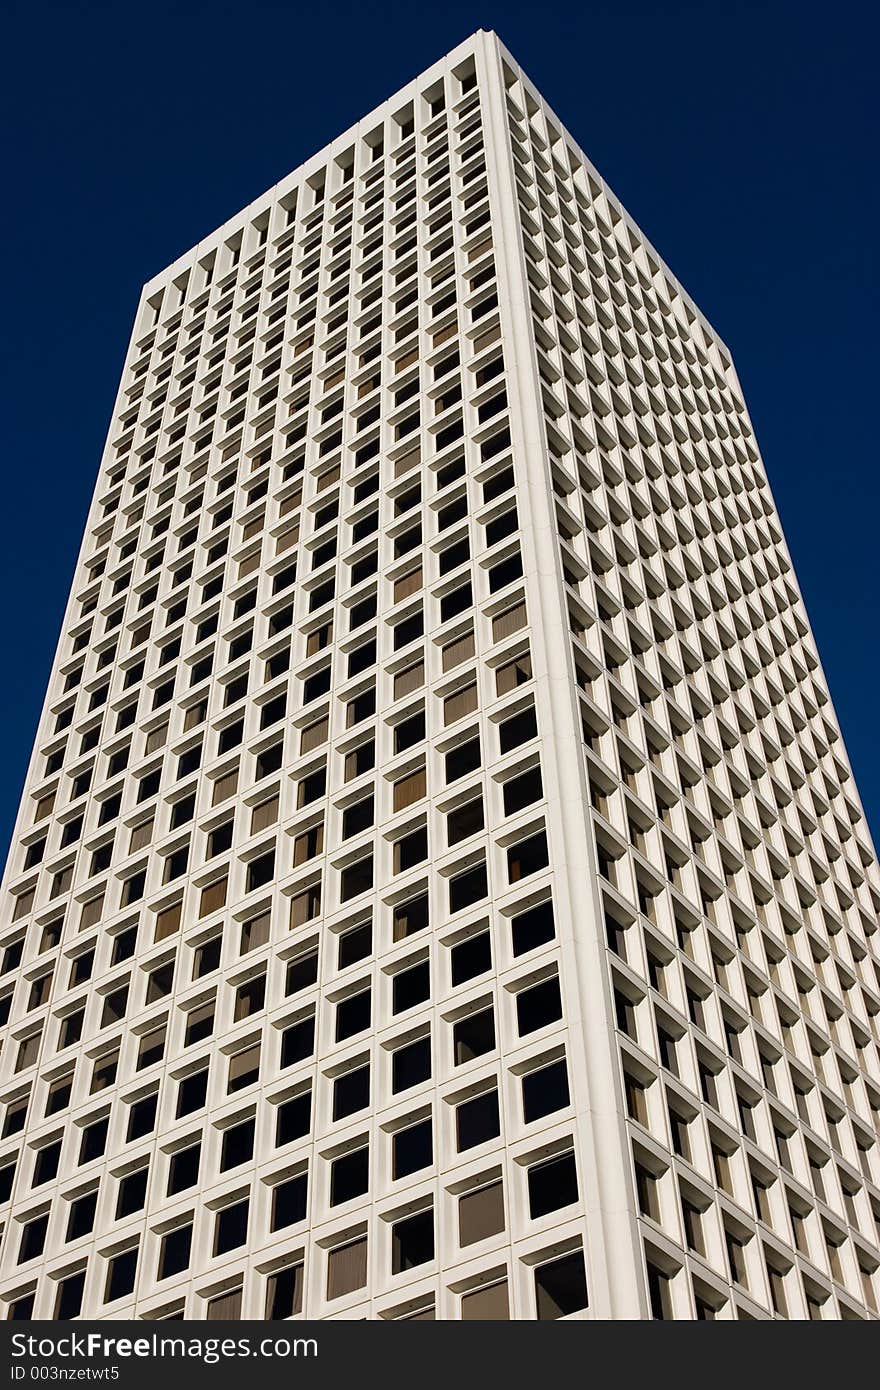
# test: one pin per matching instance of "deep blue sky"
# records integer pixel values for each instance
(741, 136)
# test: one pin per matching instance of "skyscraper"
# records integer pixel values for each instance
(440, 889)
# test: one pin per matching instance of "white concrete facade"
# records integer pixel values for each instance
(440, 889)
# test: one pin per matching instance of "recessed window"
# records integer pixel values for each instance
(355, 945)
(561, 1287)
(7, 1178)
(487, 1303)
(636, 1098)
(544, 1091)
(13, 1120)
(347, 1268)
(46, 1163)
(412, 1241)
(552, 1185)
(358, 817)
(115, 1005)
(410, 987)
(220, 839)
(284, 1293)
(174, 1252)
(513, 673)
(528, 857)
(81, 1219)
(121, 1272)
(679, 1126)
(471, 958)
(237, 1146)
(409, 732)
(244, 1068)
(124, 945)
(33, 1238)
(68, 1303)
(183, 1170)
(477, 1121)
(349, 1176)
(412, 1148)
(298, 1041)
(199, 1023)
(736, 1257)
(351, 1092)
(465, 699)
(410, 917)
(132, 1193)
(264, 815)
(468, 888)
(192, 1092)
(293, 1119)
(412, 849)
(289, 1200)
(356, 711)
(692, 1220)
(104, 1072)
(250, 998)
(159, 983)
(356, 879)
(518, 729)
(360, 760)
(353, 1014)
(538, 1006)
(94, 1135)
(659, 1293)
(261, 871)
(225, 1308)
(305, 906)
(141, 1117)
(473, 1036)
(255, 933)
(465, 758)
(302, 972)
(230, 1227)
(465, 821)
(69, 1033)
(411, 1064)
(481, 1213)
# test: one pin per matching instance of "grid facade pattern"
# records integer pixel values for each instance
(440, 889)
(739, 887)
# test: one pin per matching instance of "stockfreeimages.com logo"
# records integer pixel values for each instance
(210, 1350)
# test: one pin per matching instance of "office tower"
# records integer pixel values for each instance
(440, 890)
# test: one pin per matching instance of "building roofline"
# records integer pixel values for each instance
(467, 48)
